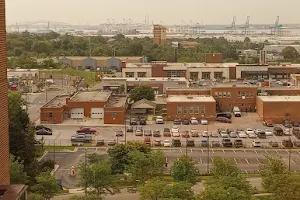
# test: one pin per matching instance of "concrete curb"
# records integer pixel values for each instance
(55, 169)
(40, 158)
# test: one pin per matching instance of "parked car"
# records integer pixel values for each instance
(233, 134)
(129, 129)
(100, 143)
(268, 132)
(167, 143)
(227, 115)
(296, 143)
(175, 133)
(185, 134)
(186, 122)
(204, 143)
(204, 122)
(287, 124)
(256, 144)
(252, 135)
(296, 132)
(223, 120)
(39, 127)
(236, 111)
(273, 144)
(87, 130)
(157, 142)
(205, 134)
(177, 122)
(249, 131)
(143, 121)
(44, 132)
(262, 135)
(133, 121)
(242, 134)
(194, 121)
(147, 141)
(238, 143)
(156, 133)
(214, 134)
(147, 133)
(268, 123)
(167, 132)
(296, 124)
(81, 138)
(215, 144)
(226, 143)
(190, 143)
(278, 131)
(194, 132)
(139, 132)
(176, 143)
(224, 134)
(287, 132)
(287, 143)
(119, 133)
(159, 120)
(257, 131)
(111, 142)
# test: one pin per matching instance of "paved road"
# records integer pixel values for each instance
(248, 160)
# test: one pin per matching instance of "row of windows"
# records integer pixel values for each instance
(240, 94)
(191, 109)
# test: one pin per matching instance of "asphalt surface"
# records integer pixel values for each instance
(248, 160)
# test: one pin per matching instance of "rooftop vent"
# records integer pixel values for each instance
(190, 97)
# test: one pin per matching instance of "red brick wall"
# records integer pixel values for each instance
(4, 138)
(188, 92)
(86, 105)
(232, 72)
(260, 108)
(158, 70)
(114, 115)
(243, 104)
(210, 110)
(57, 115)
(213, 58)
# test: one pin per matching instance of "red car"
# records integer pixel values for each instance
(268, 123)
(87, 130)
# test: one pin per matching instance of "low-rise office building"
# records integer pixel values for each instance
(187, 106)
(278, 108)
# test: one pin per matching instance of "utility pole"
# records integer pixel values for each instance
(208, 158)
(85, 165)
(186, 149)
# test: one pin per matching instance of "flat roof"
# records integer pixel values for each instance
(101, 96)
(280, 98)
(56, 102)
(116, 101)
(157, 79)
(190, 98)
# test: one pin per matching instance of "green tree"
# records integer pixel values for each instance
(46, 185)
(142, 92)
(290, 53)
(34, 196)
(98, 177)
(88, 197)
(226, 182)
(119, 158)
(184, 169)
(179, 190)
(144, 166)
(17, 173)
(122, 88)
(153, 189)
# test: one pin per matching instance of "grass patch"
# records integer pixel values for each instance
(51, 148)
(89, 77)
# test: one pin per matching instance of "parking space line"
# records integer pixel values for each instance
(293, 161)
(212, 160)
(298, 152)
(246, 171)
(247, 161)
(202, 150)
(235, 161)
(213, 151)
(200, 160)
(258, 160)
(180, 150)
(223, 150)
(233, 150)
(287, 151)
(255, 151)
(266, 151)
(244, 151)
(278, 152)
(191, 150)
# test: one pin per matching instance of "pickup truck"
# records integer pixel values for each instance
(81, 138)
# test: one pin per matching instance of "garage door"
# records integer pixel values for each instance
(77, 113)
(97, 113)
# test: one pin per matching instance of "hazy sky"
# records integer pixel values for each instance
(169, 11)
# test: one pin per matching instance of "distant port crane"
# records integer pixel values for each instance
(232, 27)
(246, 27)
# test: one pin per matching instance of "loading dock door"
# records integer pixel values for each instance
(97, 113)
(77, 113)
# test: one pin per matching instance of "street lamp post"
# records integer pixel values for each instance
(208, 159)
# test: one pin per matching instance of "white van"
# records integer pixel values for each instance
(237, 112)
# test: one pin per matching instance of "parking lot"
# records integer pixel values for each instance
(62, 134)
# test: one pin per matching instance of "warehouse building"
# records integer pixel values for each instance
(95, 105)
(278, 108)
(187, 106)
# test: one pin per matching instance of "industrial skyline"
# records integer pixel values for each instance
(159, 12)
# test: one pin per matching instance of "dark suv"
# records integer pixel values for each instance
(226, 143)
(278, 131)
(238, 143)
(176, 143)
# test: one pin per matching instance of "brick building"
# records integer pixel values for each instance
(159, 34)
(94, 105)
(278, 108)
(7, 191)
(229, 96)
(187, 91)
(187, 106)
(213, 58)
